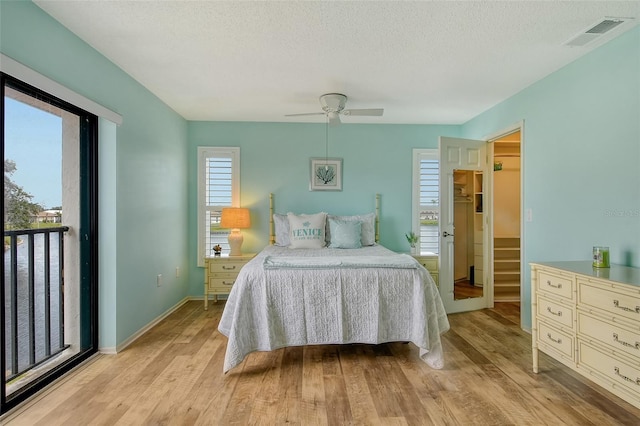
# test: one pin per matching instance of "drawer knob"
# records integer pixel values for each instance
(559, 285)
(623, 343)
(622, 376)
(228, 283)
(616, 303)
(558, 314)
(558, 341)
(228, 268)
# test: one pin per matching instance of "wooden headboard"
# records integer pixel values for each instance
(272, 230)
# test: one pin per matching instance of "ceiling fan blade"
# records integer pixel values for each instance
(304, 113)
(368, 111)
(334, 118)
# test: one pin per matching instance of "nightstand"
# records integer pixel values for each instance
(430, 262)
(220, 272)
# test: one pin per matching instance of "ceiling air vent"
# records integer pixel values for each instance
(595, 31)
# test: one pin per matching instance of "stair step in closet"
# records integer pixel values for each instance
(506, 269)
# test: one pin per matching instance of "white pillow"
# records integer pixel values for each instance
(281, 225)
(368, 227)
(307, 230)
(345, 234)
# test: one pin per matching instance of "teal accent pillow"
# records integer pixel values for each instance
(345, 234)
(368, 227)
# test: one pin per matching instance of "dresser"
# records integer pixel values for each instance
(589, 319)
(220, 272)
(430, 262)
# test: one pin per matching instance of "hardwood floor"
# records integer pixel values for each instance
(173, 375)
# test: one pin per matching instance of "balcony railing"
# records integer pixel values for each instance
(34, 298)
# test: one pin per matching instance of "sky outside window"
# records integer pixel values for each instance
(33, 140)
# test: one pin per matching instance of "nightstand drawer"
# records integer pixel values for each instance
(221, 285)
(226, 266)
(430, 263)
(435, 277)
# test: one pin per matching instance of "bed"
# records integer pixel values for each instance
(292, 295)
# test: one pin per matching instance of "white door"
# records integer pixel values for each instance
(466, 160)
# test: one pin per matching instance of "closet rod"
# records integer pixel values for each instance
(506, 156)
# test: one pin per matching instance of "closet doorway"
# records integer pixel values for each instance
(507, 217)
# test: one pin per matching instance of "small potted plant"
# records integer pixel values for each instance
(217, 250)
(412, 238)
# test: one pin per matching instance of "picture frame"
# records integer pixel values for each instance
(325, 174)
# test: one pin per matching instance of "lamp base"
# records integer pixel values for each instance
(235, 242)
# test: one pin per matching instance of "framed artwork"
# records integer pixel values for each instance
(325, 174)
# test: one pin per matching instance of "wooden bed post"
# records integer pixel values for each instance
(272, 236)
(377, 217)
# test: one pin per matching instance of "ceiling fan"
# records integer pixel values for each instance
(333, 107)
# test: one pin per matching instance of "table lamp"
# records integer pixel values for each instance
(235, 218)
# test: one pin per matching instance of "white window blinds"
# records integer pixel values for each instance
(218, 187)
(426, 203)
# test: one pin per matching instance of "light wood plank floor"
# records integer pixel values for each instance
(173, 375)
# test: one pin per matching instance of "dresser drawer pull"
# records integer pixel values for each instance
(616, 303)
(558, 314)
(554, 286)
(228, 268)
(617, 370)
(558, 341)
(623, 343)
(227, 283)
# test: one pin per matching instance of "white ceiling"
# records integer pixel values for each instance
(432, 62)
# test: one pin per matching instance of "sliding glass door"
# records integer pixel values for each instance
(49, 297)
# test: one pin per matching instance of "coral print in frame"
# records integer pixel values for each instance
(326, 174)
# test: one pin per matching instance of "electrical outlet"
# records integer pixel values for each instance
(528, 215)
(159, 281)
(177, 272)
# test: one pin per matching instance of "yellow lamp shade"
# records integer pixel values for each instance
(235, 218)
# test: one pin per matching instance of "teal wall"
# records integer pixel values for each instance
(143, 172)
(274, 157)
(581, 157)
(581, 167)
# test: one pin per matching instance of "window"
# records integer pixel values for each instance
(218, 187)
(426, 199)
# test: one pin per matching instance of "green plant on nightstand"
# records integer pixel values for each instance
(412, 239)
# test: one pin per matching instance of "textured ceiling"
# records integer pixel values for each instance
(423, 62)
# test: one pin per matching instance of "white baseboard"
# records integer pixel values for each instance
(112, 351)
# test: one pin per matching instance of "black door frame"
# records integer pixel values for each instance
(88, 244)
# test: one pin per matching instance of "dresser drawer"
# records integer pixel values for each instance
(610, 334)
(560, 342)
(556, 285)
(618, 373)
(607, 300)
(556, 312)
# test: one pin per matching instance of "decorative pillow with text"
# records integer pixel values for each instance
(307, 230)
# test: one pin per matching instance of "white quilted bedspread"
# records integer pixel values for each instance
(271, 308)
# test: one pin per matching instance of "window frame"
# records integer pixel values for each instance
(205, 152)
(420, 154)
